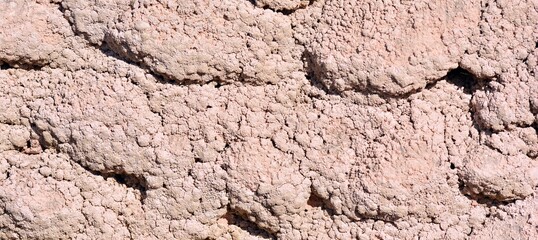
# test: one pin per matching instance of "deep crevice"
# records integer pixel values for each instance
(314, 73)
(284, 12)
(4, 66)
(463, 79)
(316, 201)
(133, 181)
(22, 65)
(386, 218)
(236, 219)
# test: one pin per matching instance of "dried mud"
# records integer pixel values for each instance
(266, 119)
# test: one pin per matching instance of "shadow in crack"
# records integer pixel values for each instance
(315, 73)
(233, 218)
(36, 66)
(133, 181)
(284, 12)
(315, 201)
(4, 66)
(462, 79)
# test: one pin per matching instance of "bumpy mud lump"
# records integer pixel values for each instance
(96, 142)
(392, 48)
(31, 33)
(193, 41)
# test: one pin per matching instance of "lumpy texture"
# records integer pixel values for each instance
(265, 119)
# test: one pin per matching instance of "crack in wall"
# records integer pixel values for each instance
(316, 201)
(284, 11)
(233, 217)
(4, 66)
(134, 181)
(21, 65)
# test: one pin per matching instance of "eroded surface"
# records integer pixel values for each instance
(268, 119)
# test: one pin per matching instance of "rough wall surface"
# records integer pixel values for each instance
(265, 119)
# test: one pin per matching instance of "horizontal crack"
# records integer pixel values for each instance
(133, 181)
(284, 11)
(235, 217)
(21, 65)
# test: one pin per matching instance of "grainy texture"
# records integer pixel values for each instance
(266, 119)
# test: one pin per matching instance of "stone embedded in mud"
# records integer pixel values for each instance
(488, 174)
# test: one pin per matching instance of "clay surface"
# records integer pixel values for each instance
(265, 119)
